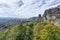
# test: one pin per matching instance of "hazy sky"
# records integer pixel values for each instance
(25, 8)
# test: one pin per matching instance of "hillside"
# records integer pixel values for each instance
(31, 31)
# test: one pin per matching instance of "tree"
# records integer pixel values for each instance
(50, 32)
(37, 28)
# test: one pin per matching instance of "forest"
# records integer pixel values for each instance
(31, 31)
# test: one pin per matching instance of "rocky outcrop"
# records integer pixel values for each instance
(52, 15)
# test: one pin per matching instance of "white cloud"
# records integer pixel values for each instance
(25, 8)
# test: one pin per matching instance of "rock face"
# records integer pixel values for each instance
(52, 15)
(40, 18)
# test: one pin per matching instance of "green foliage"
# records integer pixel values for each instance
(37, 28)
(46, 31)
(50, 32)
(31, 31)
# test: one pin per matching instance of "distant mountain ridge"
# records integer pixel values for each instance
(6, 22)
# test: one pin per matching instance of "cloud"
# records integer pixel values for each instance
(25, 8)
(20, 3)
(4, 5)
(54, 3)
(8, 8)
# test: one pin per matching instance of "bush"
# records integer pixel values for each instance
(50, 32)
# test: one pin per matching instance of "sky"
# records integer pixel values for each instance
(25, 8)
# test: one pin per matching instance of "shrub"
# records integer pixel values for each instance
(50, 32)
